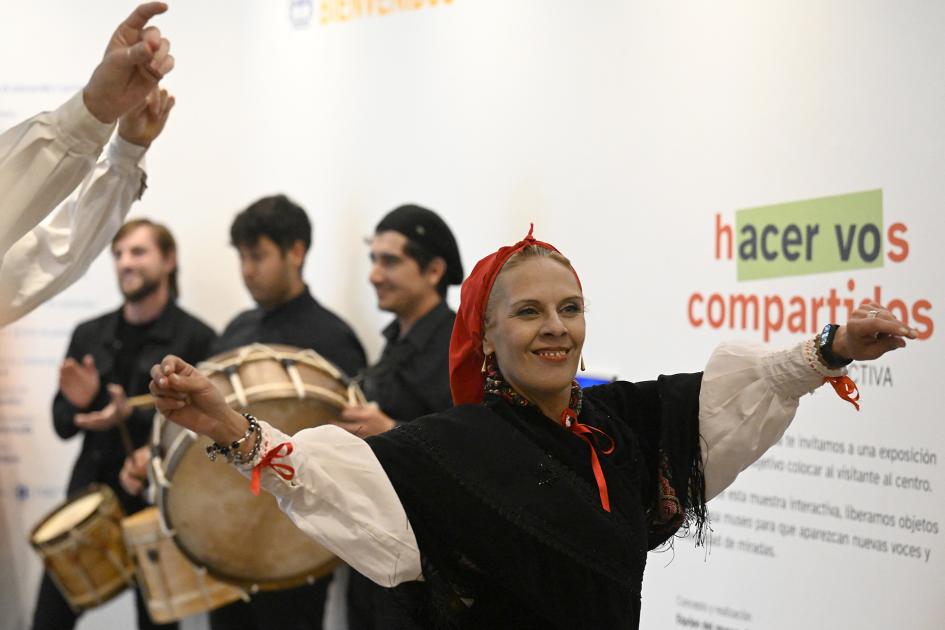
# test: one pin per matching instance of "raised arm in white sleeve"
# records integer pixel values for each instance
(55, 254)
(50, 257)
(748, 398)
(42, 160)
(341, 497)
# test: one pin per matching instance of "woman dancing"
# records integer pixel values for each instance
(532, 503)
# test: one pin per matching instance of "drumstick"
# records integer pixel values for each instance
(126, 438)
(143, 401)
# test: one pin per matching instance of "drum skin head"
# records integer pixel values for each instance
(67, 517)
(240, 537)
(217, 522)
(82, 550)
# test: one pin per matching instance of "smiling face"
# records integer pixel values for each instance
(535, 327)
(402, 287)
(140, 265)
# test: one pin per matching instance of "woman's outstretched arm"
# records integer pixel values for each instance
(750, 393)
(328, 481)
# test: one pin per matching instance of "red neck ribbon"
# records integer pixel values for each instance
(845, 388)
(570, 422)
(269, 461)
(466, 358)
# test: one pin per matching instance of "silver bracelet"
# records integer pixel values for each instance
(232, 450)
(238, 459)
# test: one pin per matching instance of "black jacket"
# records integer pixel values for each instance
(412, 377)
(301, 322)
(102, 454)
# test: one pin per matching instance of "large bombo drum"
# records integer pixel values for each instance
(208, 507)
(81, 546)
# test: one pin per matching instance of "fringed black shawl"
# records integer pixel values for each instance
(507, 515)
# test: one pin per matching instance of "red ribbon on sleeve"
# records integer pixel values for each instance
(845, 388)
(269, 461)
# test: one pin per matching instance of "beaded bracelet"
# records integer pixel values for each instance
(232, 450)
(238, 459)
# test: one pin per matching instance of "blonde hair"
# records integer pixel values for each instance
(526, 253)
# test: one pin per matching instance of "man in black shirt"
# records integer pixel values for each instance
(414, 260)
(109, 359)
(273, 236)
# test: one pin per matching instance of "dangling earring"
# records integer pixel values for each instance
(484, 359)
(582, 362)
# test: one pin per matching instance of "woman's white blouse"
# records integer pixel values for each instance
(341, 497)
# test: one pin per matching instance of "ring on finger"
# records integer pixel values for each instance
(872, 313)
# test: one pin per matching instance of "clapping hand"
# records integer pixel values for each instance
(79, 382)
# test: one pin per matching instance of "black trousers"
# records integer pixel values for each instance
(52, 611)
(301, 608)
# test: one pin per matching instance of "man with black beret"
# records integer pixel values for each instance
(414, 260)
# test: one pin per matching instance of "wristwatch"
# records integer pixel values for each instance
(825, 348)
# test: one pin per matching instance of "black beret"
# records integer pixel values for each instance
(428, 230)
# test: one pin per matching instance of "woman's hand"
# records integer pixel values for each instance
(187, 397)
(871, 332)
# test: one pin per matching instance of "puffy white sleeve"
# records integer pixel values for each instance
(748, 398)
(42, 160)
(56, 253)
(341, 497)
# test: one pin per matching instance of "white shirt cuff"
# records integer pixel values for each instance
(80, 130)
(124, 153)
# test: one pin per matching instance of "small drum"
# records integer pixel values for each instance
(81, 546)
(171, 585)
(208, 507)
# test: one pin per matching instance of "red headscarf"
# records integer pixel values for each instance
(466, 356)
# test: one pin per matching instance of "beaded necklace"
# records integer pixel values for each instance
(496, 385)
